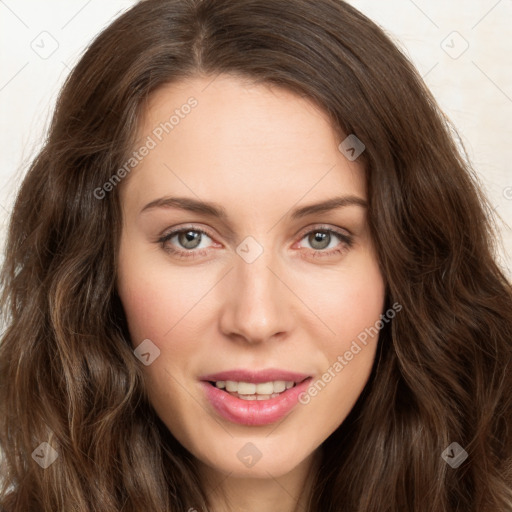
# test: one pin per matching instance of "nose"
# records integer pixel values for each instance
(256, 304)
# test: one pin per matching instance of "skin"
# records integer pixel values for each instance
(259, 152)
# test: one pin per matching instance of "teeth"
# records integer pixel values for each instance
(260, 389)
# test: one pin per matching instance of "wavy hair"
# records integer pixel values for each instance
(443, 368)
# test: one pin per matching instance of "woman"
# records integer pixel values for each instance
(249, 270)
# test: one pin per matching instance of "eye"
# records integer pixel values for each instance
(185, 242)
(327, 241)
(192, 242)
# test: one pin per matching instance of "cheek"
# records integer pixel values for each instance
(142, 304)
(352, 308)
(348, 301)
(148, 297)
(363, 302)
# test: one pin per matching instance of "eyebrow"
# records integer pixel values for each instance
(214, 210)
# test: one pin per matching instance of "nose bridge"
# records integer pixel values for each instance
(256, 306)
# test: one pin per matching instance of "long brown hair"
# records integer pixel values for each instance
(442, 372)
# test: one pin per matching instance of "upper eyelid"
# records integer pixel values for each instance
(175, 231)
(323, 227)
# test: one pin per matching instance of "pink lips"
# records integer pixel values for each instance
(254, 412)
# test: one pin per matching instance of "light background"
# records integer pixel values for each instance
(461, 48)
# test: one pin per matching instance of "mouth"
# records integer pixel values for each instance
(255, 391)
(251, 403)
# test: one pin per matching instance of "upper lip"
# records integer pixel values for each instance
(266, 375)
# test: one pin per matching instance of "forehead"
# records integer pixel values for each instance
(229, 136)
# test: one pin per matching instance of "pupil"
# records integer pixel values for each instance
(320, 240)
(189, 239)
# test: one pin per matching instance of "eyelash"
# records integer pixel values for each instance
(346, 240)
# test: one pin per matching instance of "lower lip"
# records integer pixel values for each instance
(254, 412)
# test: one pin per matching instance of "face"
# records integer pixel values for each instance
(225, 266)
